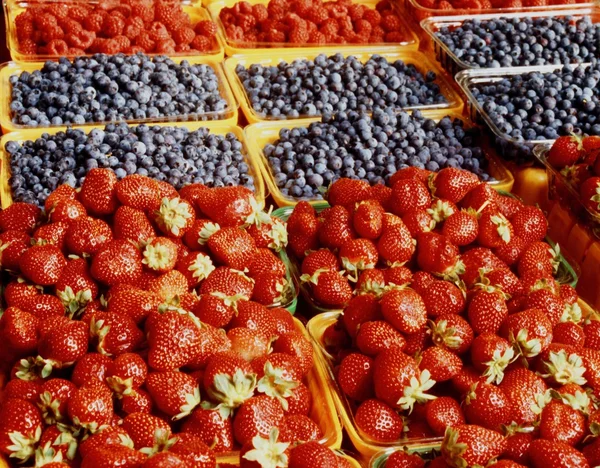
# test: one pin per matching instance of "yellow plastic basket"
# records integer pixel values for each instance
(12, 8)
(214, 127)
(265, 49)
(420, 61)
(259, 135)
(228, 116)
(235, 461)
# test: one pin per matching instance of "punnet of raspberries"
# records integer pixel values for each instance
(108, 27)
(137, 328)
(301, 22)
(449, 5)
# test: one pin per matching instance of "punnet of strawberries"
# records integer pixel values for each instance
(135, 330)
(302, 22)
(577, 159)
(454, 324)
(110, 27)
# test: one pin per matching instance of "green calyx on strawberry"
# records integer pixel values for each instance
(121, 387)
(495, 368)
(572, 313)
(174, 216)
(441, 210)
(524, 346)
(590, 193)
(162, 442)
(565, 151)
(275, 385)
(565, 369)
(74, 302)
(268, 453)
(230, 301)
(46, 454)
(579, 400)
(230, 391)
(207, 230)
(415, 391)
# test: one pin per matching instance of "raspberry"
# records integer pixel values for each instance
(301, 7)
(250, 38)
(158, 32)
(373, 17)
(145, 41)
(246, 22)
(70, 26)
(234, 33)
(51, 33)
(206, 28)
(133, 27)
(356, 11)
(311, 27)
(275, 11)
(57, 47)
(275, 36)
(25, 17)
(134, 50)
(94, 22)
(246, 8)
(78, 12)
(281, 26)
(262, 37)
(143, 10)
(376, 39)
(330, 27)
(317, 38)
(166, 47)
(124, 11)
(24, 30)
(395, 36)
(298, 35)
(75, 51)
(317, 15)
(444, 5)
(81, 40)
(260, 12)
(336, 10)
(427, 3)
(110, 47)
(383, 6)
(44, 21)
(201, 43)
(184, 36)
(359, 39)
(363, 28)
(339, 40)
(123, 42)
(391, 23)
(27, 47)
(166, 13)
(345, 25)
(113, 26)
(486, 5)
(182, 48)
(60, 10)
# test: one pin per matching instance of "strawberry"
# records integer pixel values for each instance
(128, 372)
(116, 334)
(271, 289)
(56, 443)
(17, 292)
(396, 246)
(193, 451)
(360, 309)
(379, 421)
(301, 427)
(23, 389)
(347, 192)
(20, 430)
(461, 228)
(174, 216)
(90, 369)
(229, 206)
(529, 331)
(227, 281)
(63, 343)
(318, 260)
(491, 355)
(487, 310)
(397, 275)
(530, 224)
(255, 316)
(335, 227)
(569, 333)
(469, 445)
(443, 412)
(368, 219)
(330, 288)
(91, 407)
(374, 337)
(54, 396)
(481, 198)
(590, 194)
(211, 428)
(265, 261)
(548, 303)
(63, 192)
(182, 397)
(295, 344)
(523, 389)
(561, 423)
(169, 286)
(544, 453)
(117, 262)
(405, 310)
(269, 234)
(453, 184)
(398, 381)
(312, 455)
(195, 267)
(86, 236)
(132, 225)
(197, 236)
(232, 247)
(355, 376)
(137, 401)
(133, 302)
(42, 264)
(146, 430)
(565, 151)
(435, 254)
(160, 254)
(256, 416)
(13, 244)
(443, 297)
(409, 194)
(357, 255)
(261, 451)
(117, 455)
(21, 217)
(19, 330)
(98, 193)
(539, 257)
(452, 332)
(418, 220)
(487, 405)
(475, 259)
(75, 286)
(442, 364)
(592, 452)
(402, 459)
(248, 344)
(494, 230)
(162, 459)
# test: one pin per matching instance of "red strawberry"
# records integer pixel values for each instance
(548, 303)
(75, 286)
(19, 330)
(545, 453)
(141, 193)
(373, 337)
(13, 244)
(24, 389)
(257, 416)
(461, 228)
(132, 225)
(397, 275)
(368, 219)
(396, 246)
(210, 427)
(590, 194)
(357, 255)
(530, 224)
(443, 412)
(67, 211)
(407, 172)
(330, 288)
(63, 344)
(42, 264)
(409, 194)
(562, 423)
(227, 281)
(568, 333)
(347, 192)
(355, 376)
(146, 430)
(475, 259)
(117, 262)
(198, 234)
(196, 267)
(335, 227)
(265, 261)
(117, 455)
(481, 198)
(402, 459)
(16, 293)
(318, 260)
(98, 193)
(87, 235)
(443, 297)
(91, 407)
(20, 430)
(116, 334)
(132, 302)
(169, 286)
(193, 451)
(296, 344)
(303, 234)
(160, 254)
(232, 247)
(128, 372)
(175, 216)
(469, 445)
(182, 396)
(248, 344)
(90, 369)
(312, 455)
(494, 230)
(255, 316)
(565, 151)
(529, 331)
(405, 310)
(487, 310)
(491, 355)
(379, 421)
(442, 364)
(452, 332)
(453, 184)
(418, 220)
(524, 389)
(435, 254)
(54, 396)
(20, 217)
(360, 309)
(487, 405)
(301, 427)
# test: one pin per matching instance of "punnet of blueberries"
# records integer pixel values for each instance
(523, 41)
(172, 154)
(308, 88)
(105, 88)
(359, 146)
(544, 106)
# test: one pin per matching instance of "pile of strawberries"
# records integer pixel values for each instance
(448, 5)
(312, 22)
(110, 27)
(578, 161)
(135, 327)
(456, 326)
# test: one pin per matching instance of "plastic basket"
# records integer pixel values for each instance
(12, 8)
(235, 460)
(214, 127)
(259, 135)
(292, 278)
(419, 60)
(265, 49)
(229, 115)
(379, 460)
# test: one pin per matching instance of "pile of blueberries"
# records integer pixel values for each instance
(359, 146)
(172, 154)
(512, 42)
(539, 106)
(307, 88)
(105, 88)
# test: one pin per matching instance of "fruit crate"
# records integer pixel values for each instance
(259, 135)
(292, 279)
(214, 127)
(509, 147)
(453, 64)
(364, 445)
(265, 49)
(228, 116)
(12, 8)
(421, 62)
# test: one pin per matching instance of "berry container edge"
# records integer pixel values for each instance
(259, 135)
(379, 460)
(228, 116)
(214, 127)
(264, 49)
(235, 460)
(420, 61)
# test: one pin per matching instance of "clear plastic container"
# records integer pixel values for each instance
(379, 459)
(265, 49)
(453, 64)
(215, 127)
(228, 116)
(421, 62)
(507, 146)
(235, 460)
(12, 8)
(259, 135)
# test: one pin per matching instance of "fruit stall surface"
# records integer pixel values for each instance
(300, 234)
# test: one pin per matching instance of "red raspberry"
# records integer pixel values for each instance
(202, 43)
(145, 41)
(184, 36)
(166, 47)
(298, 35)
(44, 21)
(262, 37)
(109, 47)
(250, 38)
(158, 32)
(60, 10)
(317, 38)
(317, 15)
(123, 42)
(391, 23)
(25, 17)
(356, 11)
(70, 26)
(79, 12)
(486, 5)
(330, 27)
(395, 36)
(124, 11)
(260, 12)
(27, 47)
(311, 27)
(247, 22)
(94, 22)
(134, 50)
(51, 33)
(427, 3)
(345, 25)
(245, 8)
(57, 47)
(166, 13)
(180, 48)
(275, 11)
(24, 30)
(81, 40)
(383, 6)
(233, 33)
(276, 36)
(339, 40)
(281, 26)
(336, 10)
(113, 26)
(133, 27)
(206, 28)
(373, 17)
(143, 10)
(75, 51)
(363, 28)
